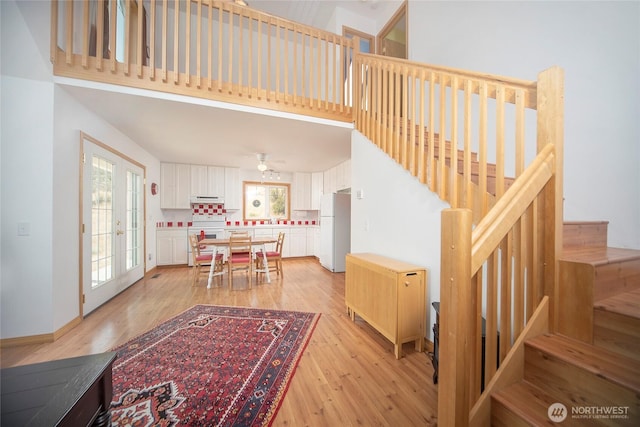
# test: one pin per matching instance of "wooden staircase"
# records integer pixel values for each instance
(592, 365)
(491, 169)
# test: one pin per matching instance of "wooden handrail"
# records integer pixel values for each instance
(512, 206)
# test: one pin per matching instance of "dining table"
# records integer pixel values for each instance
(261, 242)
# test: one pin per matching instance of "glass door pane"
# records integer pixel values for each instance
(134, 241)
(102, 248)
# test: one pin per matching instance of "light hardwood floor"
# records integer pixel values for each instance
(347, 376)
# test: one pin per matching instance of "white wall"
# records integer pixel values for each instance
(598, 46)
(72, 117)
(41, 123)
(26, 283)
(398, 216)
(26, 114)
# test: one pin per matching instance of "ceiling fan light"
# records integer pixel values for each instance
(262, 167)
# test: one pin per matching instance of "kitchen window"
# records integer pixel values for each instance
(265, 201)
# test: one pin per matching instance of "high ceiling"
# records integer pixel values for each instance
(179, 131)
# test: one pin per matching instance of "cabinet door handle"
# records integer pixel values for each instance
(406, 284)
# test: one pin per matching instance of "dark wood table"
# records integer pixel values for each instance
(66, 392)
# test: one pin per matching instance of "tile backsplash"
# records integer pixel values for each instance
(233, 218)
(206, 211)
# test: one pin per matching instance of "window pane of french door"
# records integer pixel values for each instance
(102, 253)
(134, 220)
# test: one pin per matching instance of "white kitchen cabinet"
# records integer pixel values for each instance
(265, 232)
(316, 242)
(301, 191)
(232, 189)
(229, 231)
(215, 181)
(199, 181)
(311, 251)
(297, 241)
(329, 181)
(175, 186)
(207, 180)
(343, 175)
(317, 179)
(171, 246)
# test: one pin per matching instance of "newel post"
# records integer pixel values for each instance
(456, 310)
(550, 106)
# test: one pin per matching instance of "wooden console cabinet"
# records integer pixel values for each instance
(68, 392)
(388, 294)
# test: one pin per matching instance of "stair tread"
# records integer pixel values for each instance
(604, 363)
(531, 403)
(627, 304)
(599, 256)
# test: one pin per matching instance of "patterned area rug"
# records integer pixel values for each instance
(211, 365)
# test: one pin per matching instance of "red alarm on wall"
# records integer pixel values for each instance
(154, 188)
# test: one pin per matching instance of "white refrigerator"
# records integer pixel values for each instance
(335, 231)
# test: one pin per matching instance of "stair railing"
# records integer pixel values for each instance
(434, 121)
(208, 49)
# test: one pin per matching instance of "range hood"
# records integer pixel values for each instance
(207, 200)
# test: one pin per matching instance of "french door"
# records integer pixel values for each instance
(112, 222)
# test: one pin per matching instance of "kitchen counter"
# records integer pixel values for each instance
(238, 225)
(258, 224)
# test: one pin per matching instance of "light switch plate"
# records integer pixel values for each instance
(24, 229)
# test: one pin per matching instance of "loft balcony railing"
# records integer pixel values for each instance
(207, 49)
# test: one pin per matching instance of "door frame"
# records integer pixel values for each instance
(81, 228)
(401, 13)
(348, 31)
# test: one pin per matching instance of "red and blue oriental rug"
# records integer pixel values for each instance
(210, 366)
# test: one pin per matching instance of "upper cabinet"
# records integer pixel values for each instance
(301, 192)
(232, 189)
(175, 185)
(178, 182)
(207, 180)
(199, 181)
(343, 175)
(316, 190)
(215, 181)
(307, 191)
(338, 178)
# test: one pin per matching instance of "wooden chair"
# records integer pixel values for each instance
(240, 257)
(274, 258)
(200, 259)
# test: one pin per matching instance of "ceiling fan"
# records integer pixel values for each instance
(262, 165)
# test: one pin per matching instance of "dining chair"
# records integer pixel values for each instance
(274, 258)
(240, 257)
(200, 259)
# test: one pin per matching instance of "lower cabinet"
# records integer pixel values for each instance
(390, 295)
(298, 241)
(171, 247)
